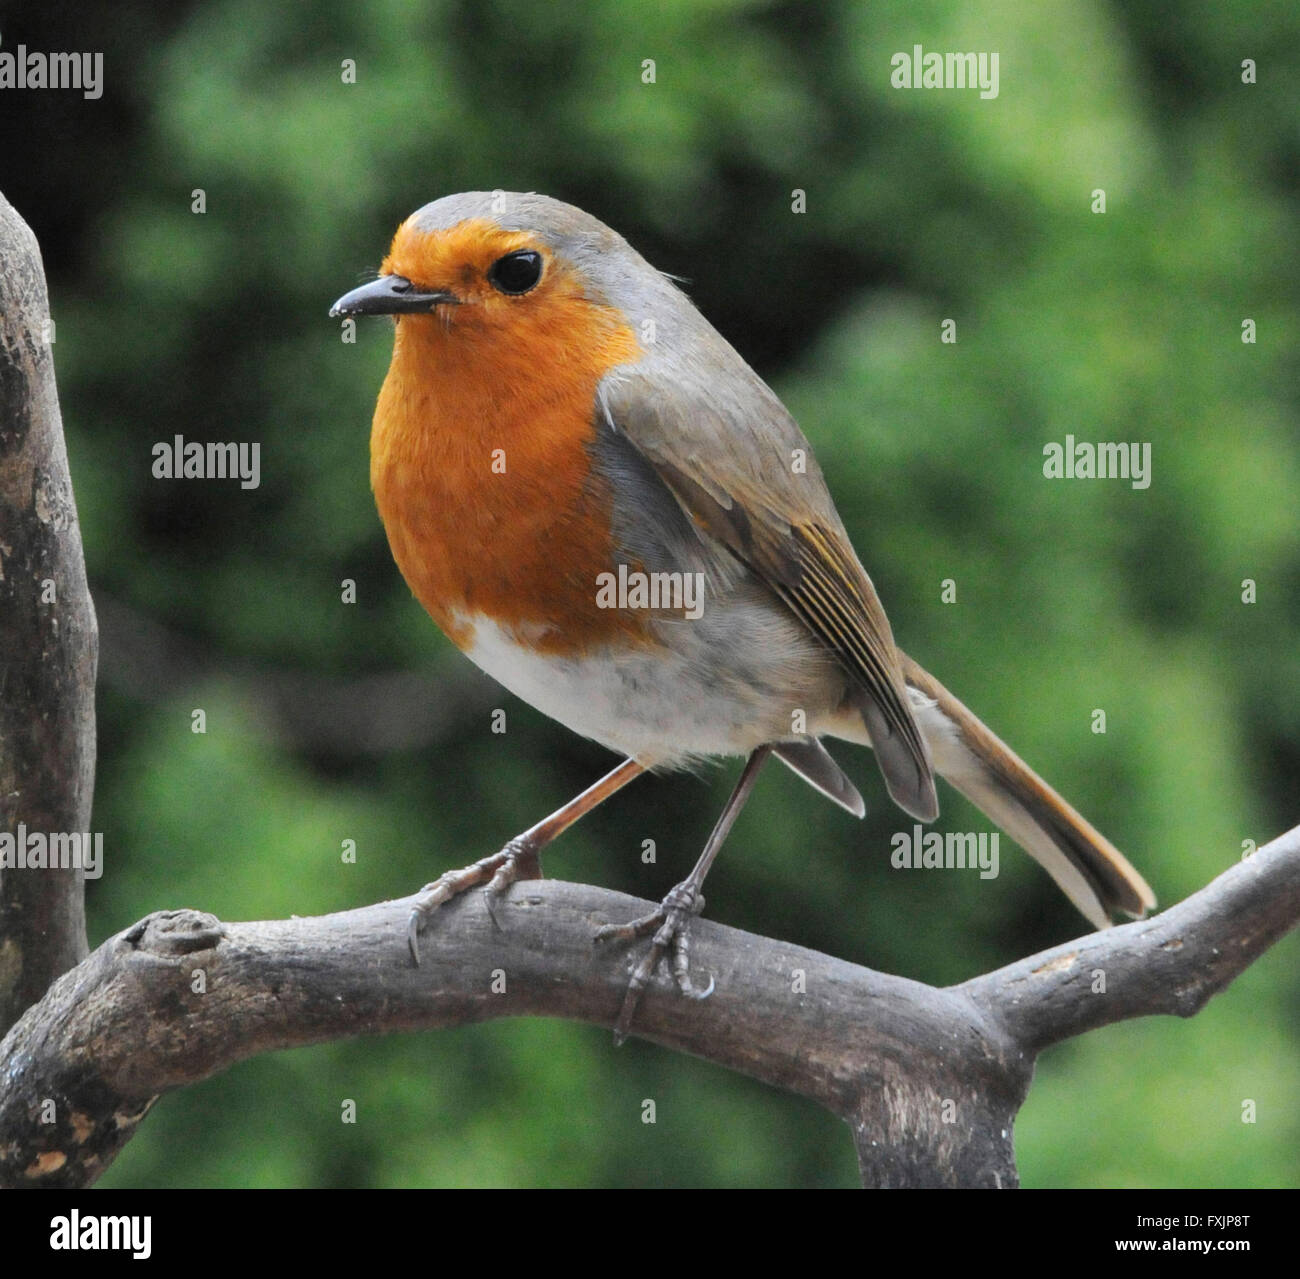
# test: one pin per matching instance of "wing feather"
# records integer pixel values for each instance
(785, 529)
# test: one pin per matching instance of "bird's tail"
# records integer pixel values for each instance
(1090, 870)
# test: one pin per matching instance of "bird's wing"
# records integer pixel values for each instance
(762, 495)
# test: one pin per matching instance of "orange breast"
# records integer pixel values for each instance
(480, 467)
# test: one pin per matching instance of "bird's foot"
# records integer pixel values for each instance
(671, 935)
(517, 860)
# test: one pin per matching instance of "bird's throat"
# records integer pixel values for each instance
(483, 478)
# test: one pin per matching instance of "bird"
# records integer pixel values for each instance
(609, 511)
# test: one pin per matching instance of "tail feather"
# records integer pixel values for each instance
(1090, 870)
(813, 762)
(909, 780)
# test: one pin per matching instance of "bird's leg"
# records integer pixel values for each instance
(519, 859)
(668, 923)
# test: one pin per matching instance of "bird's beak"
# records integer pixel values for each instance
(389, 295)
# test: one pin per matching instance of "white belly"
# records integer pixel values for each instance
(678, 702)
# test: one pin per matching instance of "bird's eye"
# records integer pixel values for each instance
(516, 272)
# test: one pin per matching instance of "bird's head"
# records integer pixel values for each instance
(499, 261)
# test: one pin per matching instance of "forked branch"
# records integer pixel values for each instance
(929, 1079)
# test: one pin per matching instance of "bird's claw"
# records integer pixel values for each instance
(668, 923)
(517, 860)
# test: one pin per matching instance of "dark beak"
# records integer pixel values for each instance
(389, 295)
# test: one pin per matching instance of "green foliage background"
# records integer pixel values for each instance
(920, 206)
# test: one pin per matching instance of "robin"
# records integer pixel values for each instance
(611, 513)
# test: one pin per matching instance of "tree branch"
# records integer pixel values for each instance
(1172, 963)
(928, 1079)
(47, 638)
